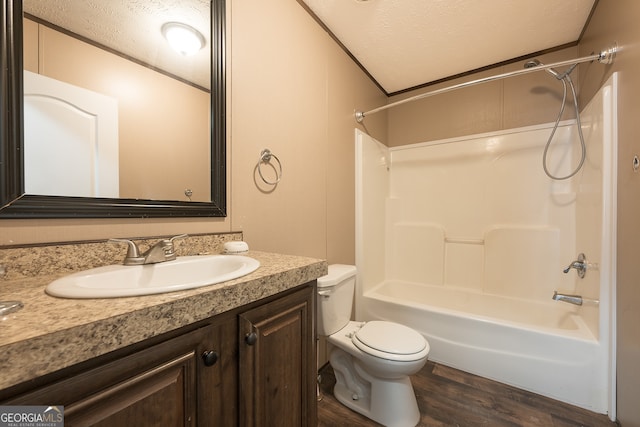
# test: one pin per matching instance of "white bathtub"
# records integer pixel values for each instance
(465, 240)
(542, 347)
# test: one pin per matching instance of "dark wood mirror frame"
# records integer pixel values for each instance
(15, 204)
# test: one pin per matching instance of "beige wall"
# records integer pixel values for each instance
(503, 104)
(618, 22)
(293, 90)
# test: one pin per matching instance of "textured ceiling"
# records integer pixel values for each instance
(407, 43)
(132, 27)
(401, 43)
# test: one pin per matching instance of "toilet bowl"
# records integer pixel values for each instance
(372, 361)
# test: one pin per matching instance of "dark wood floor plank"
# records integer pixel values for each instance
(472, 406)
(560, 411)
(450, 397)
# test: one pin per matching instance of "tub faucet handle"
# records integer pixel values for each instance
(580, 265)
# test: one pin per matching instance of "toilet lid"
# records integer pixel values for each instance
(390, 338)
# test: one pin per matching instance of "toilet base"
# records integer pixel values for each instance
(391, 402)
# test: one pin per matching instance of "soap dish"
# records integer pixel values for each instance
(236, 247)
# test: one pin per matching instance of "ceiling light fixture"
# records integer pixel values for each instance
(183, 38)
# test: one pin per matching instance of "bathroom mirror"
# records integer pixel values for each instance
(193, 196)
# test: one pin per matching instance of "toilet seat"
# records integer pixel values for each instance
(390, 341)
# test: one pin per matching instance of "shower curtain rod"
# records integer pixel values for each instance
(604, 57)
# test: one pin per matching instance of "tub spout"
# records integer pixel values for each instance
(571, 299)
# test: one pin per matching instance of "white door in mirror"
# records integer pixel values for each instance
(70, 139)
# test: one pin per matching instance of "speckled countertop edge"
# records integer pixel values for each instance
(70, 331)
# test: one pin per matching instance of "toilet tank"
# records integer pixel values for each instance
(335, 298)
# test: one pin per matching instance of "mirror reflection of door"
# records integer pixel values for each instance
(71, 140)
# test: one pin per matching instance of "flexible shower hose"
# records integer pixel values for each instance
(564, 79)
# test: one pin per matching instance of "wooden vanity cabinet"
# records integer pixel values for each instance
(209, 375)
(177, 382)
(278, 362)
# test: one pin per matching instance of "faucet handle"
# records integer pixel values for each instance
(580, 265)
(132, 250)
(179, 236)
(133, 256)
(169, 248)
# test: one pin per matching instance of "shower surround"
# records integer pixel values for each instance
(466, 239)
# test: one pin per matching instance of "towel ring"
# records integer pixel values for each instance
(265, 157)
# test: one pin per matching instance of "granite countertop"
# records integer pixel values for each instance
(69, 331)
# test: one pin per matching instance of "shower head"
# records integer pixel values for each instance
(535, 63)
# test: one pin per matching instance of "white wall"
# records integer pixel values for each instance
(479, 213)
(372, 193)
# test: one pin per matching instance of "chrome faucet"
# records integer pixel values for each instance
(580, 265)
(571, 299)
(162, 251)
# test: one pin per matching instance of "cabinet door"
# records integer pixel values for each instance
(163, 395)
(278, 362)
(218, 383)
(175, 383)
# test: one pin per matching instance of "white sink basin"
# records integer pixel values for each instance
(186, 272)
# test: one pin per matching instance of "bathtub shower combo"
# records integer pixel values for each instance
(508, 274)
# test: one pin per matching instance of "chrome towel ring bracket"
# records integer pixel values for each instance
(265, 157)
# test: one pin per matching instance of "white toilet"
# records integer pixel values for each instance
(372, 361)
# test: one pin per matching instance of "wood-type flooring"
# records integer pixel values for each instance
(449, 397)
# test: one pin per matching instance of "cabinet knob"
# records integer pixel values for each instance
(251, 338)
(210, 358)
